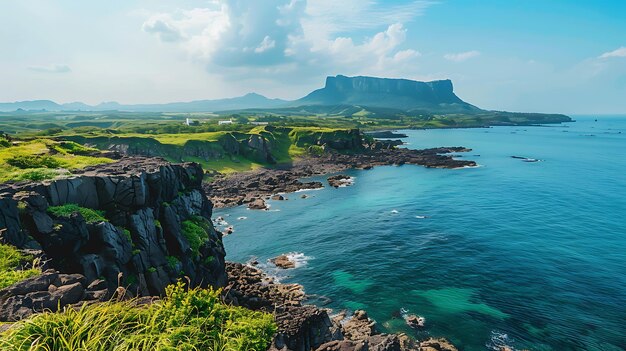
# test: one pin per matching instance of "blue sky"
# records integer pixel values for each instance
(517, 55)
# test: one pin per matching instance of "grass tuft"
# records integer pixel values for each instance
(90, 216)
(11, 261)
(183, 320)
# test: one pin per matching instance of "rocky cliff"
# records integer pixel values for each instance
(403, 94)
(140, 224)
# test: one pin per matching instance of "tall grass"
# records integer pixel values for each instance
(11, 261)
(184, 320)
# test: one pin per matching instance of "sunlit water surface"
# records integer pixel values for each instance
(531, 255)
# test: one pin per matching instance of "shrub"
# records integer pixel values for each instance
(195, 232)
(70, 147)
(90, 216)
(126, 233)
(172, 262)
(38, 174)
(33, 161)
(11, 261)
(183, 320)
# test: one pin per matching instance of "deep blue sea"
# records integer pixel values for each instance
(529, 255)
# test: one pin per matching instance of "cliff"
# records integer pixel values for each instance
(138, 223)
(403, 94)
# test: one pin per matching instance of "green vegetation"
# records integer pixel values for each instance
(41, 159)
(126, 233)
(152, 270)
(33, 161)
(196, 233)
(90, 216)
(11, 263)
(172, 262)
(183, 320)
(48, 138)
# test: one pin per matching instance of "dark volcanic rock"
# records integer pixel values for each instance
(243, 188)
(387, 134)
(306, 327)
(145, 203)
(339, 180)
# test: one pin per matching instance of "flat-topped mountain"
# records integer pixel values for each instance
(402, 94)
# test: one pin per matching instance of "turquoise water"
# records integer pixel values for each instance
(532, 255)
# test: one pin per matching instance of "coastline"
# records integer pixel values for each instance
(303, 326)
(253, 288)
(248, 187)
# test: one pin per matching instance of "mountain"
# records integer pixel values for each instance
(400, 94)
(30, 105)
(251, 100)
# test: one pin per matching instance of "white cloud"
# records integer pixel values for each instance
(621, 52)
(267, 44)
(51, 69)
(461, 56)
(308, 36)
(163, 28)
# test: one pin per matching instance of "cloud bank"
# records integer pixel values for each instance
(280, 37)
(621, 52)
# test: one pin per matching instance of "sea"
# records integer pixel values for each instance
(529, 255)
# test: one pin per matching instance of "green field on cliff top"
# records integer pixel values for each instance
(43, 145)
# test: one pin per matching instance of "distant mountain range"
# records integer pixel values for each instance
(341, 95)
(251, 100)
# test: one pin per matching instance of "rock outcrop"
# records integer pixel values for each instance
(139, 223)
(247, 187)
(310, 328)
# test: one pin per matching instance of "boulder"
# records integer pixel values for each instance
(283, 262)
(258, 204)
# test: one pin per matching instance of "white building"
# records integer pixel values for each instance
(225, 122)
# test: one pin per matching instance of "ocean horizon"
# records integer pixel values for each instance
(526, 250)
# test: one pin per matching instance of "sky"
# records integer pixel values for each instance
(558, 56)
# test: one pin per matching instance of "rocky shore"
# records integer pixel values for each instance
(306, 327)
(248, 187)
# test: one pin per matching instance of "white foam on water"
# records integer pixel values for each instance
(303, 190)
(242, 218)
(394, 211)
(420, 217)
(346, 182)
(298, 258)
(499, 341)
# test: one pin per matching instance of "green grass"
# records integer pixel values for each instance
(195, 231)
(172, 262)
(10, 262)
(40, 159)
(90, 216)
(183, 320)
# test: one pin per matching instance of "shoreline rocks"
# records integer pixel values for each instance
(257, 204)
(339, 180)
(283, 262)
(243, 188)
(307, 327)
